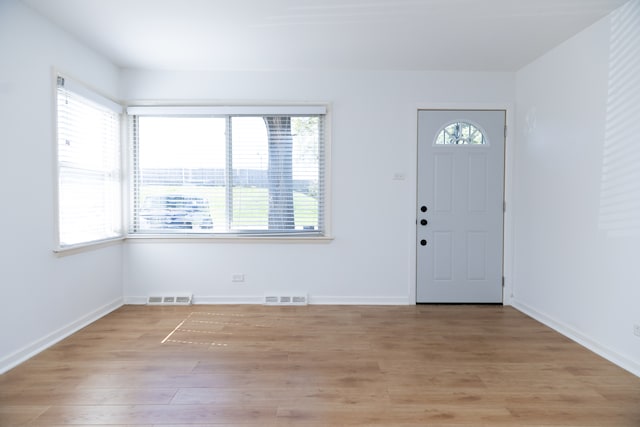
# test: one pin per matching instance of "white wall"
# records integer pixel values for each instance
(371, 259)
(576, 236)
(577, 187)
(43, 296)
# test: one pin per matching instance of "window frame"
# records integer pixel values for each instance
(90, 93)
(231, 109)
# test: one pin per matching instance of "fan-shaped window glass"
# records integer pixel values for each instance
(461, 133)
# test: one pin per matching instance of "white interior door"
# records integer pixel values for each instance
(460, 206)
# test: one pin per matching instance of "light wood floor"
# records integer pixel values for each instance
(318, 366)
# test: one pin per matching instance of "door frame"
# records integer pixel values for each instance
(508, 290)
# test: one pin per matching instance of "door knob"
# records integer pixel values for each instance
(423, 222)
(423, 242)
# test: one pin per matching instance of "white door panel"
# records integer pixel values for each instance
(461, 186)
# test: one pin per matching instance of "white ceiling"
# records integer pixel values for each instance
(474, 35)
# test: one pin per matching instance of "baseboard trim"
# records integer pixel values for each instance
(227, 300)
(578, 337)
(11, 361)
(320, 300)
(138, 300)
(328, 300)
(132, 300)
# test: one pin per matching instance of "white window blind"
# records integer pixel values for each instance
(228, 173)
(89, 177)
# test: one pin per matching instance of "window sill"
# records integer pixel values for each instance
(84, 247)
(236, 238)
(181, 238)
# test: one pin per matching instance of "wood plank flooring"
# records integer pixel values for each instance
(318, 366)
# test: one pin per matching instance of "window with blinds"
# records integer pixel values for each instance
(228, 170)
(88, 166)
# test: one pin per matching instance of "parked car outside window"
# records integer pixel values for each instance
(175, 211)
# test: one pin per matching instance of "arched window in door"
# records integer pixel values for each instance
(461, 133)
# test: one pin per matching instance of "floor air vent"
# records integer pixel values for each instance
(285, 300)
(169, 300)
(271, 299)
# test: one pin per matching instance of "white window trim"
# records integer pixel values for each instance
(223, 110)
(227, 238)
(95, 95)
(205, 108)
(145, 107)
(83, 247)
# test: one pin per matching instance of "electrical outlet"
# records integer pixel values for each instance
(636, 330)
(237, 278)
